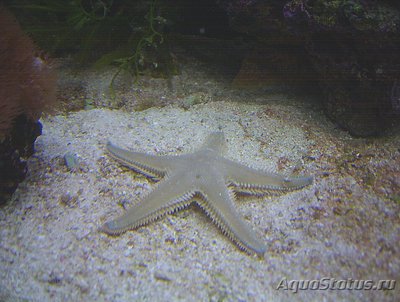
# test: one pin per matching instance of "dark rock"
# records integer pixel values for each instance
(352, 45)
(357, 80)
(18, 144)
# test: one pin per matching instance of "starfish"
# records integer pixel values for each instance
(205, 177)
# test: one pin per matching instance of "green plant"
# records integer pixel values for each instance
(150, 37)
(124, 33)
(64, 26)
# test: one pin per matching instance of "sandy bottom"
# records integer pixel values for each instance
(345, 226)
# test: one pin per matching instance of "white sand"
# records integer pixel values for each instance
(50, 249)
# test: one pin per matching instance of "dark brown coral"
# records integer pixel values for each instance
(27, 82)
(27, 88)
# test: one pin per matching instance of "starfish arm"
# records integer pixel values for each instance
(166, 198)
(217, 201)
(258, 182)
(150, 165)
(215, 142)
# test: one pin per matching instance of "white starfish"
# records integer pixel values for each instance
(206, 177)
